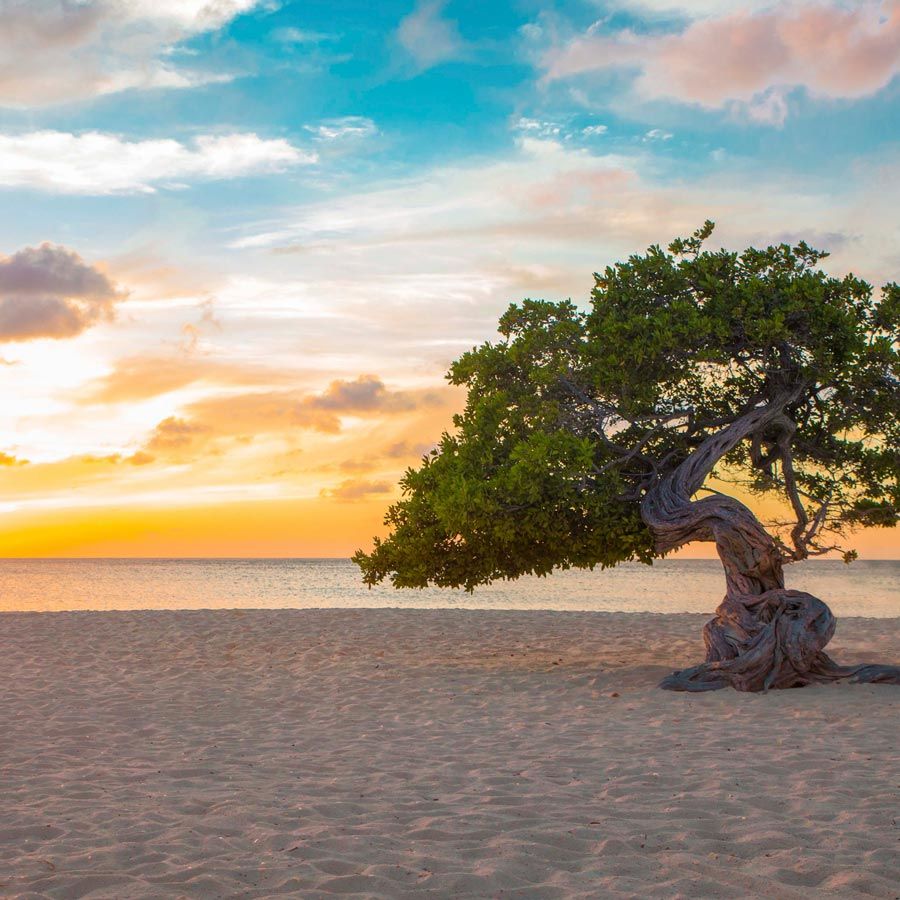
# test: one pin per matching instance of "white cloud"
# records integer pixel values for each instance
(428, 38)
(54, 51)
(696, 9)
(555, 131)
(196, 15)
(98, 163)
(345, 127)
(537, 128)
(657, 134)
(301, 36)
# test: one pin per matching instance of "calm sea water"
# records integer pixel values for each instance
(868, 588)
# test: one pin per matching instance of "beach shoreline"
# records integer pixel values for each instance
(463, 753)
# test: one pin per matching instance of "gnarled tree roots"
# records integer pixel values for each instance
(771, 640)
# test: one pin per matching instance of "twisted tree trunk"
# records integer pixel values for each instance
(763, 635)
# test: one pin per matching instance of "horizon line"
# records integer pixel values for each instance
(349, 559)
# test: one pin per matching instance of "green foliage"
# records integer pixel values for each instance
(575, 413)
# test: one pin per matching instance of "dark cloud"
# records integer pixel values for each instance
(51, 292)
(366, 393)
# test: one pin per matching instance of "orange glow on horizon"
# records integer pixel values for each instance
(319, 527)
(282, 528)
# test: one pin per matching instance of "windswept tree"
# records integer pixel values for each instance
(596, 436)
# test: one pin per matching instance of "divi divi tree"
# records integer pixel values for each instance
(612, 433)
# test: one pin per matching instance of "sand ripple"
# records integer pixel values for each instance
(387, 753)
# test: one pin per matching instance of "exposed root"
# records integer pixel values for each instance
(771, 640)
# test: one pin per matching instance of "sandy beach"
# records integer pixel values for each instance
(391, 753)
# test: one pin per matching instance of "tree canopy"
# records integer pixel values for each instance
(576, 413)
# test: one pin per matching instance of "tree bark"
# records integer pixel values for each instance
(763, 635)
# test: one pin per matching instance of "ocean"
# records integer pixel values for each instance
(867, 588)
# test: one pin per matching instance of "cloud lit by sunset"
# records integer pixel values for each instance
(449, 448)
(244, 240)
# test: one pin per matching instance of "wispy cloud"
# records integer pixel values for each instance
(694, 9)
(554, 130)
(301, 36)
(135, 378)
(55, 51)
(545, 217)
(538, 128)
(831, 49)
(343, 128)
(98, 163)
(427, 37)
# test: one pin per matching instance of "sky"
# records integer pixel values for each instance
(243, 239)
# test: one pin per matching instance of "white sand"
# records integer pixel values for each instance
(386, 753)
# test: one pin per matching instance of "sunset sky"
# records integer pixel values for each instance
(241, 241)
